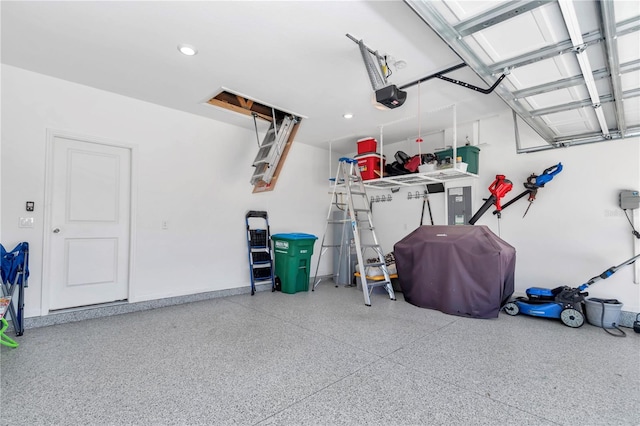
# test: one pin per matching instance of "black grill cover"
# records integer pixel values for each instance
(461, 270)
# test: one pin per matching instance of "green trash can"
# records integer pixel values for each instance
(293, 260)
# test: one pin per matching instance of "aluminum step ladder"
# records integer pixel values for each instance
(349, 195)
(271, 149)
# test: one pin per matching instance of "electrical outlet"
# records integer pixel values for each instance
(26, 222)
(165, 224)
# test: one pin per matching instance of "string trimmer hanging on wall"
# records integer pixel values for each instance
(533, 183)
(498, 189)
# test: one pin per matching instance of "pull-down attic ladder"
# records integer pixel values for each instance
(276, 144)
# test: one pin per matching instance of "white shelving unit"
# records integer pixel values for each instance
(413, 179)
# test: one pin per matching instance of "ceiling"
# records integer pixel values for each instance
(574, 66)
(296, 57)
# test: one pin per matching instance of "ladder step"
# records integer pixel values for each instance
(360, 194)
(381, 283)
(374, 264)
(339, 221)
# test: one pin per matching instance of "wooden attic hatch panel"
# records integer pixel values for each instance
(240, 104)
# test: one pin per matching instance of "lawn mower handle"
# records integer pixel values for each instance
(606, 274)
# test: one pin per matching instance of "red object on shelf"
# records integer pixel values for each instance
(413, 164)
(370, 167)
(367, 145)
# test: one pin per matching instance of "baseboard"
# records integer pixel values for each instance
(109, 309)
(627, 318)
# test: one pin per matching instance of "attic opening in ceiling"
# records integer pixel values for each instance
(277, 141)
(243, 105)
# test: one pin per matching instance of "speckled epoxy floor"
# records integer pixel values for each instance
(318, 358)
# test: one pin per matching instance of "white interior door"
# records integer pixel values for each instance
(90, 223)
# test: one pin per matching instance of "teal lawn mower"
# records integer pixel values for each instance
(564, 303)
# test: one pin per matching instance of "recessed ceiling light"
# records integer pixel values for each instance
(187, 49)
(348, 115)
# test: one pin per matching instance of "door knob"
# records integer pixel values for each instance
(55, 231)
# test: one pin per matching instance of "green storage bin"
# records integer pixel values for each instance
(470, 155)
(293, 260)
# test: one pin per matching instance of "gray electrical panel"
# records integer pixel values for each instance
(629, 200)
(343, 267)
(459, 205)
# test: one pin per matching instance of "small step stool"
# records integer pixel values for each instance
(259, 249)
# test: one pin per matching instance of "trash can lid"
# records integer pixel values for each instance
(294, 236)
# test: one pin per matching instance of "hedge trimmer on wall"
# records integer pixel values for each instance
(533, 183)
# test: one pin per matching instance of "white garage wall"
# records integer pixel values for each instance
(194, 173)
(191, 172)
(574, 230)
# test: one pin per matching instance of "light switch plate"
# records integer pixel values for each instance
(26, 222)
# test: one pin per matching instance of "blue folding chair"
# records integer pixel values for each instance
(15, 273)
